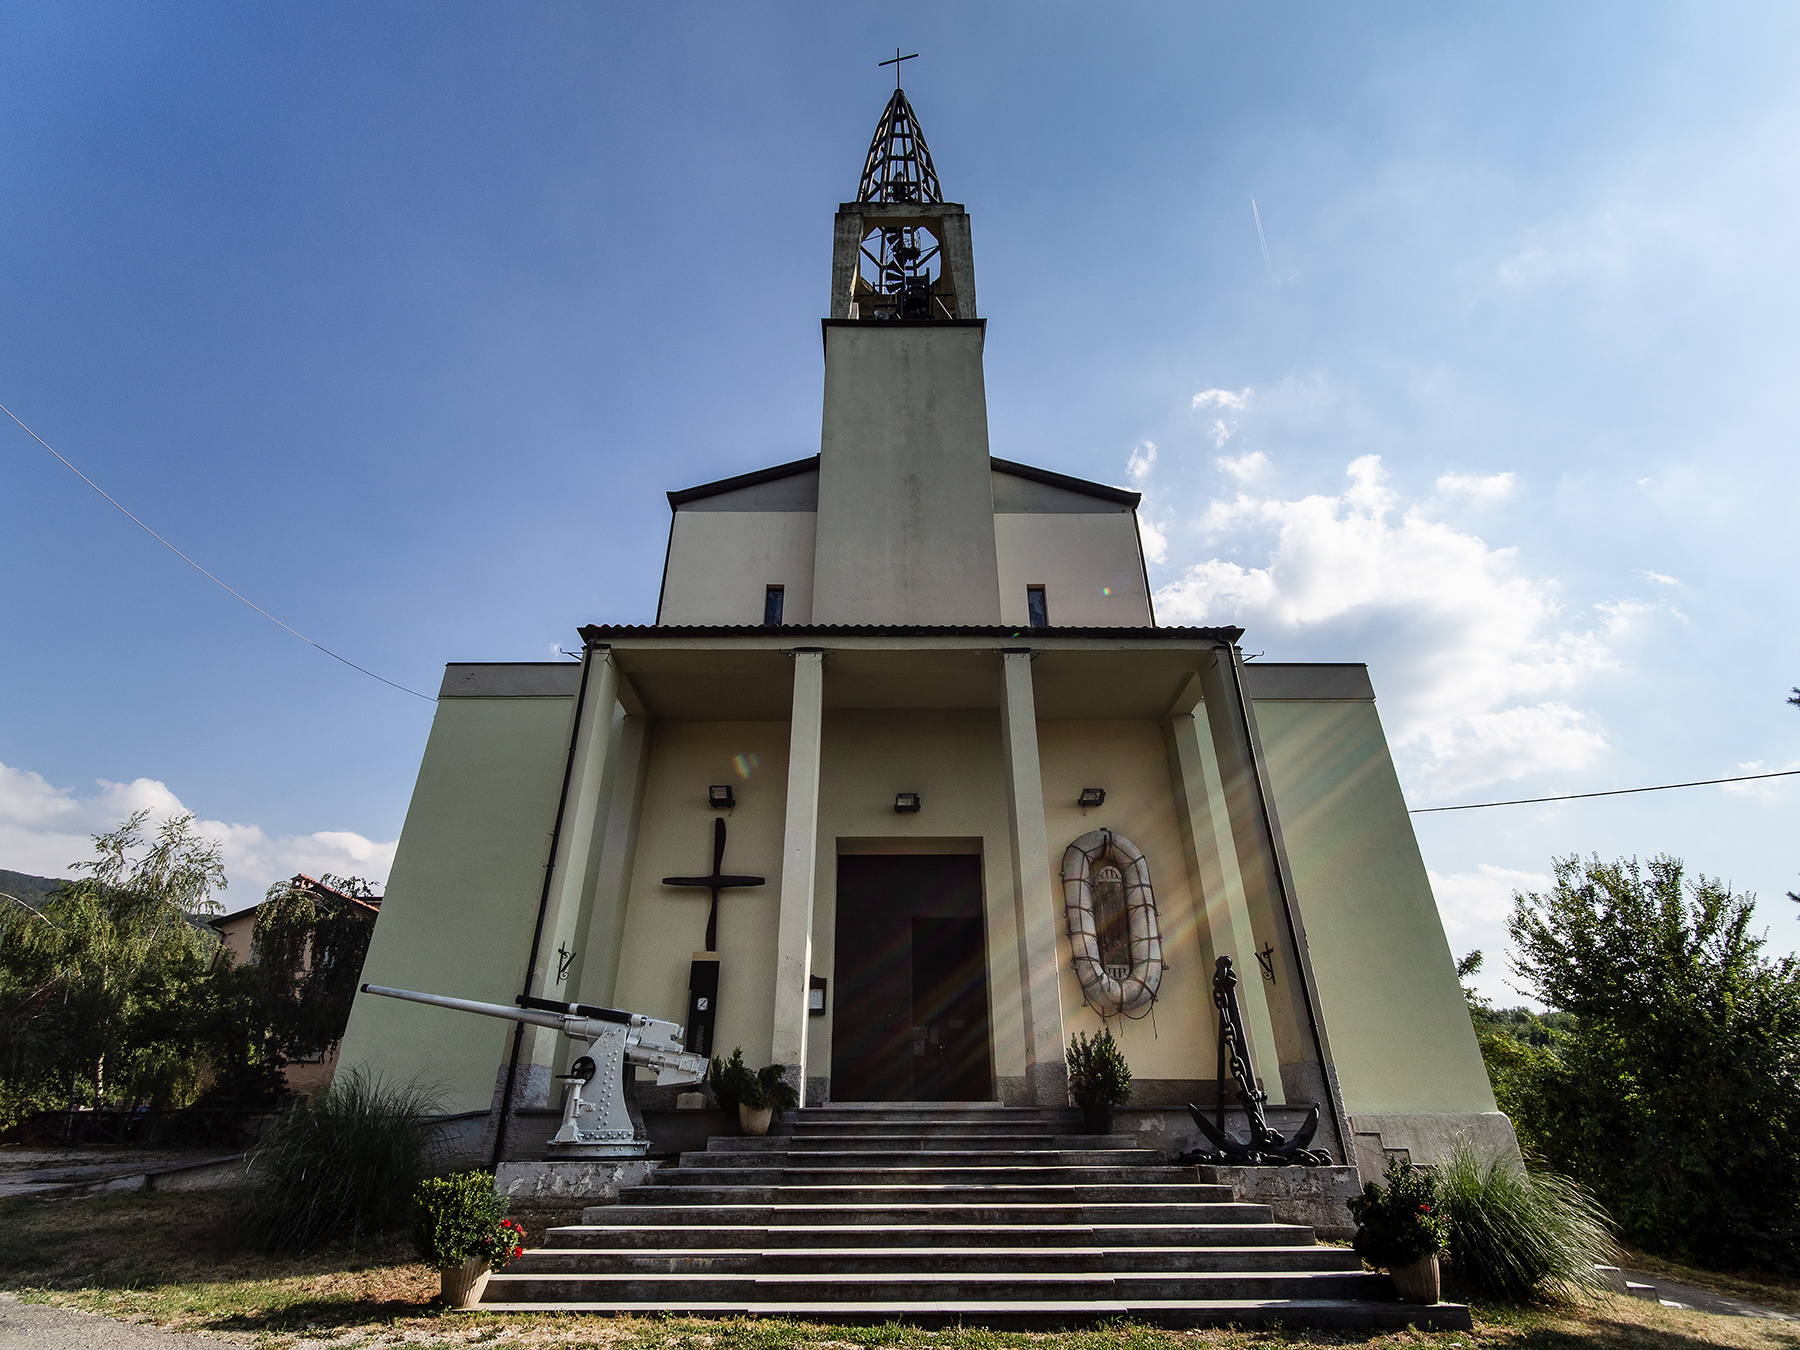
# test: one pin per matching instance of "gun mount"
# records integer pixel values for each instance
(597, 1120)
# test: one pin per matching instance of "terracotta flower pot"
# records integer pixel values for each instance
(1419, 1282)
(755, 1120)
(462, 1286)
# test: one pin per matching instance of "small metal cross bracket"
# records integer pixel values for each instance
(1266, 959)
(563, 957)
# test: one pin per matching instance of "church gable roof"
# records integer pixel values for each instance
(794, 486)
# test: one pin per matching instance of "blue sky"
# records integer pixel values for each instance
(401, 318)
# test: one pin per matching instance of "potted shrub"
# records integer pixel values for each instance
(460, 1226)
(760, 1096)
(1400, 1230)
(1099, 1078)
(727, 1078)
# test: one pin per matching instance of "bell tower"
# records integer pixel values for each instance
(906, 504)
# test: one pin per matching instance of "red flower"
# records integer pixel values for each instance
(517, 1252)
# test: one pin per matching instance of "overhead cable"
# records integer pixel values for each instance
(203, 572)
(1614, 792)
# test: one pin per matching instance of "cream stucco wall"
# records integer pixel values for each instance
(906, 510)
(1129, 760)
(1087, 563)
(722, 562)
(665, 925)
(1400, 1031)
(463, 894)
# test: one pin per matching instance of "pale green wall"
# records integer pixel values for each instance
(1394, 1011)
(463, 894)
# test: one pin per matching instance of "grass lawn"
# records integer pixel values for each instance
(174, 1260)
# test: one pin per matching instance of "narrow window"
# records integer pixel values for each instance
(1037, 612)
(1112, 923)
(772, 606)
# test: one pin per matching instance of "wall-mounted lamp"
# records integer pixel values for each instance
(720, 797)
(1091, 797)
(905, 803)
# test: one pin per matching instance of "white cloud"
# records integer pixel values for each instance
(1482, 898)
(1659, 578)
(1156, 542)
(1766, 789)
(1482, 491)
(1245, 468)
(1143, 459)
(1474, 660)
(1223, 398)
(1221, 432)
(44, 829)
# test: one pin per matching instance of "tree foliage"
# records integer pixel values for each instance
(309, 944)
(106, 993)
(1672, 1091)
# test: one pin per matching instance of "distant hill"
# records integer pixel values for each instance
(32, 890)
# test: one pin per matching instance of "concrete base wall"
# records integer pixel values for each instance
(565, 1184)
(1315, 1196)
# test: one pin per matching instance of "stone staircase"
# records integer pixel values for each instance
(945, 1213)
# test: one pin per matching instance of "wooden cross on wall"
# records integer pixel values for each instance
(715, 883)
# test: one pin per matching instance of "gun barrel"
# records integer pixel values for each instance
(528, 1016)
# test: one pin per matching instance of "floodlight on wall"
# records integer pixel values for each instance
(905, 803)
(1091, 797)
(720, 797)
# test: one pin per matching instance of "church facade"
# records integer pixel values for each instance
(905, 786)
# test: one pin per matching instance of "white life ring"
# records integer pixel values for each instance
(1107, 994)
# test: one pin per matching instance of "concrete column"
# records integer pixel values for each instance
(575, 848)
(1301, 1045)
(1218, 890)
(595, 972)
(1036, 904)
(799, 866)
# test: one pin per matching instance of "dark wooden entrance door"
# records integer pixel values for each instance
(910, 1015)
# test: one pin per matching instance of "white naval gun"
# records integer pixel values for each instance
(597, 1120)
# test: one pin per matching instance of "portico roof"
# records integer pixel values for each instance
(746, 673)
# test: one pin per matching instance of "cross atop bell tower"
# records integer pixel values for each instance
(902, 251)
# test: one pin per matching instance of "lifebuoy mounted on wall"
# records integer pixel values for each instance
(1085, 857)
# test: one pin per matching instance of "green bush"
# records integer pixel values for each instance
(458, 1217)
(734, 1082)
(344, 1163)
(765, 1087)
(1518, 1233)
(1098, 1073)
(1398, 1225)
(728, 1079)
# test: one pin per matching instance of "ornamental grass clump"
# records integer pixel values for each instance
(343, 1164)
(458, 1218)
(1521, 1234)
(1402, 1224)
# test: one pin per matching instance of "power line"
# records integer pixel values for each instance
(203, 572)
(1615, 792)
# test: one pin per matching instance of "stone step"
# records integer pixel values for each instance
(948, 1192)
(924, 1130)
(1014, 1174)
(875, 1260)
(932, 1287)
(601, 1233)
(890, 1157)
(994, 1212)
(912, 1143)
(1051, 1314)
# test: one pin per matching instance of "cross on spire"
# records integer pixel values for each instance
(895, 63)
